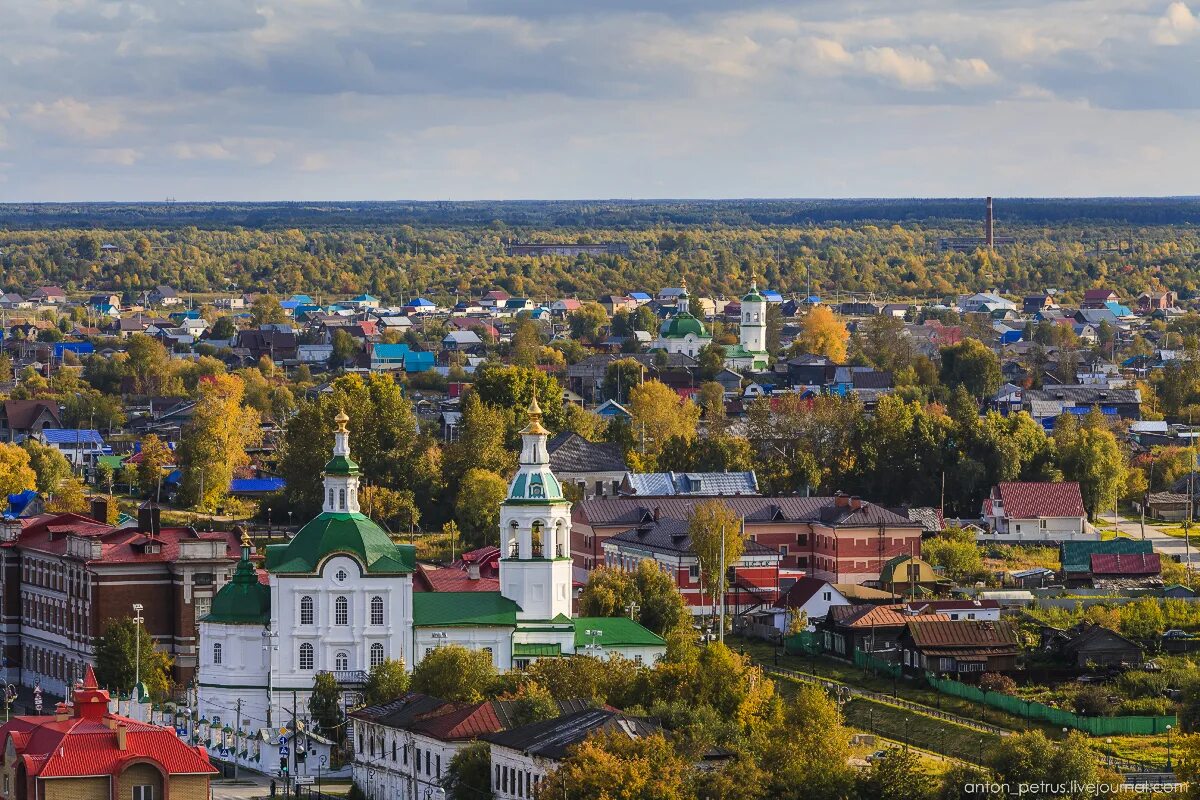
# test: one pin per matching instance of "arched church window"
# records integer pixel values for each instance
(376, 654)
(341, 499)
(306, 656)
(306, 610)
(376, 610)
(216, 652)
(341, 662)
(341, 611)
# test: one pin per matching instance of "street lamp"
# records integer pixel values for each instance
(1168, 748)
(906, 733)
(268, 523)
(137, 645)
(1108, 743)
(594, 648)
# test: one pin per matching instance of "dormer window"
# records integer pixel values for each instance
(342, 499)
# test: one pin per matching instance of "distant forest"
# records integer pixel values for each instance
(398, 250)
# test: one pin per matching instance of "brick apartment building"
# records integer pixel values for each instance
(65, 575)
(840, 539)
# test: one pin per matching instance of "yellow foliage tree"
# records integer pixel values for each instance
(15, 473)
(658, 415)
(215, 441)
(824, 334)
(711, 522)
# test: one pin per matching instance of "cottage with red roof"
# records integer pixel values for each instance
(85, 752)
(1037, 511)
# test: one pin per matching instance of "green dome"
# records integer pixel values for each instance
(242, 601)
(754, 297)
(681, 325)
(341, 465)
(538, 486)
(331, 533)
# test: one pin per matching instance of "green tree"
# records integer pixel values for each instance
(1143, 620)
(215, 441)
(477, 508)
(808, 754)
(647, 590)
(386, 681)
(609, 591)
(620, 377)
(223, 328)
(266, 310)
(49, 464)
(897, 775)
(325, 705)
(345, 349)
(526, 344)
(955, 551)
(709, 524)
(588, 321)
(972, 364)
(124, 652)
(710, 361)
(453, 672)
(149, 369)
(1063, 768)
(1092, 456)
(469, 774)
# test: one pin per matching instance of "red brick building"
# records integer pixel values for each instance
(64, 576)
(84, 752)
(839, 539)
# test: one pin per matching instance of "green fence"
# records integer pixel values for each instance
(804, 642)
(1096, 726)
(867, 661)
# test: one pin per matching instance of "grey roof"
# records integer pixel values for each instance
(570, 452)
(551, 738)
(640, 510)
(666, 484)
(1089, 395)
(671, 535)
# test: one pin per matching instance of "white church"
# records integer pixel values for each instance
(339, 598)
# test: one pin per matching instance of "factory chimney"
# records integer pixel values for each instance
(989, 228)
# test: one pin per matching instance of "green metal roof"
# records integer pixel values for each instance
(114, 462)
(352, 534)
(754, 297)
(681, 325)
(1077, 556)
(341, 465)
(459, 609)
(533, 650)
(242, 601)
(614, 632)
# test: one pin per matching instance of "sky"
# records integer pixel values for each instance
(563, 99)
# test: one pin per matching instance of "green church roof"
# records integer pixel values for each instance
(352, 534)
(242, 601)
(614, 632)
(681, 325)
(450, 609)
(754, 297)
(341, 465)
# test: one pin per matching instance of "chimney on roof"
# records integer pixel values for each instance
(473, 572)
(841, 499)
(122, 734)
(656, 512)
(149, 519)
(856, 503)
(989, 226)
(61, 712)
(98, 509)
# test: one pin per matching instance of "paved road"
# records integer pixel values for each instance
(248, 787)
(1168, 545)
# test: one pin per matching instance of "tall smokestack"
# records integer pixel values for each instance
(989, 227)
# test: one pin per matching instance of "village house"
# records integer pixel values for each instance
(594, 468)
(958, 648)
(20, 419)
(874, 629)
(1032, 511)
(1088, 645)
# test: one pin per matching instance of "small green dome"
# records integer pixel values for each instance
(331, 533)
(242, 601)
(535, 485)
(341, 465)
(754, 297)
(681, 325)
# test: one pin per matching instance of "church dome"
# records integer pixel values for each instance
(242, 601)
(754, 296)
(681, 325)
(351, 534)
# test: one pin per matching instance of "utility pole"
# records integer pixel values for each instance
(236, 730)
(137, 645)
(721, 583)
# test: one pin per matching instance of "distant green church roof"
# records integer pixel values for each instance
(352, 534)
(242, 601)
(341, 465)
(614, 632)
(681, 325)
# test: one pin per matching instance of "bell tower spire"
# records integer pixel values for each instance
(341, 473)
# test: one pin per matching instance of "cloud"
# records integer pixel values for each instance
(73, 119)
(118, 156)
(1176, 26)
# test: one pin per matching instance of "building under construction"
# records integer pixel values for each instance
(988, 241)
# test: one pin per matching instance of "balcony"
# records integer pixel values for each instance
(348, 678)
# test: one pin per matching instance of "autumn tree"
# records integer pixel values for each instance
(658, 414)
(647, 593)
(526, 344)
(149, 368)
(477, 507)
(588, 321)
(453, 672)
(49, 464)
(716, 534)
(124, 652)
(215, 441)
(972, 364)
(267, 310)
(822, 333)
(386, 681)
(1065, 768)
(156, 456)
(1090, 454)
(614, 765)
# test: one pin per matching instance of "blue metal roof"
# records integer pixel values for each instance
(72, 436)
(772, 296)
(390, 351)
(639, 296)
(78, 348)
(18, 501)
(256, 485)
(421, 301)
(418, 361)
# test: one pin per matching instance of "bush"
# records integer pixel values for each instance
(995, 682)
(1091, 701)
(1146, 707)
(1140, 684)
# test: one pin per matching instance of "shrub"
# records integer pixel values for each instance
(995, 682)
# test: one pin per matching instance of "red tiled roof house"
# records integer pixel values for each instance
(1030, 511)
(85, 752)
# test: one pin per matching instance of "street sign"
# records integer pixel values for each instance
(304, 780)
(283, 740)
(37, 697)
(285, 750)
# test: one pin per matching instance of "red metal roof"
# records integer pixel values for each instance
(1126, 564)
(1029, 500)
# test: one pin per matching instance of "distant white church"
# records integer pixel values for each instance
(339, 598)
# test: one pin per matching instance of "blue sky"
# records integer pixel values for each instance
(465, 99)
